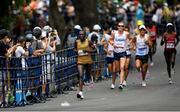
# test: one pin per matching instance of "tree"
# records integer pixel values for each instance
(4, 13)
(86, 12)
(56, 20)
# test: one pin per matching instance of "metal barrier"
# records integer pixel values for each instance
(30, 80)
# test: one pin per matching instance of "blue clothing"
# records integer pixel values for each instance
(139, 14)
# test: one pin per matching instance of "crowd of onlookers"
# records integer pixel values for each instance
(129, 11)
(109, 13)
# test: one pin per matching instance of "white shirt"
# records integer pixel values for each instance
(120, 41)
(141, 47)
(71, 40)
(19, 53)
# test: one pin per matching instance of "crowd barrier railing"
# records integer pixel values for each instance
(29, 80)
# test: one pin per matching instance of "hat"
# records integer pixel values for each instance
(47, 28)
(142, 27)
(29, 36)
(78, 27)
(96, 27)
(165, 4)
(139, 22)
(169, 24)
(37, 32)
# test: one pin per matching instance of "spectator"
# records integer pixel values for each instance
(71, 38)
(5, 52)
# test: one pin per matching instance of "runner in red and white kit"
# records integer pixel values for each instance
(170, 40)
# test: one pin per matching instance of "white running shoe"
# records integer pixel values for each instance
(173, 71)
(143, 84)
(124, 83)
(152, 64)
(170, 81)
(80, 95)
(112, 86)
(148, 72)
(121, 86)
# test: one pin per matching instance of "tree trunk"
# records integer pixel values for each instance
(56, 20)
(86, 12)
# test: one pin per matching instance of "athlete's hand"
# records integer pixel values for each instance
(115, 46)
(109, 52)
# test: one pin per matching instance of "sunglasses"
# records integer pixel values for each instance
(120, 25)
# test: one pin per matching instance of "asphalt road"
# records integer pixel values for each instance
(158, 95)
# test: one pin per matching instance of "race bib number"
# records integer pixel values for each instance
(170, 45)
(142, 46)
(142, 49)
(152, 34)
(82, 53)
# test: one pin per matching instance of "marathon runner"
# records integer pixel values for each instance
(142, 43)
(170, 40)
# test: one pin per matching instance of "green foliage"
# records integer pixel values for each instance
(19, 3)
(143, 1)
(7, 21)
(160, 2)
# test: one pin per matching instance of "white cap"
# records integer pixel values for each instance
(47, 28)
(37, 27)
(96, 27)
(142, 27)
(169, 24)
(165, 4)
(78, 27)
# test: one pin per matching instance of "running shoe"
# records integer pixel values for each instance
(124, 83)
(121, 86)
(143, 84)
(173, 71)
(80, 95)
(170, 81)
(112, 86)
(148, 72)
(152, 64)
(148, 75)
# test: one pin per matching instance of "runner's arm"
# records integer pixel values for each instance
(162, 40)
(134, 43)
(92, 48)
(75, 46)
(148, 41)
(177, 40)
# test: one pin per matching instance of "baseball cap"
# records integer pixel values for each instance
(47, 28)
(142, 27)
(169, 24)
(78, 27)
(96, 27)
